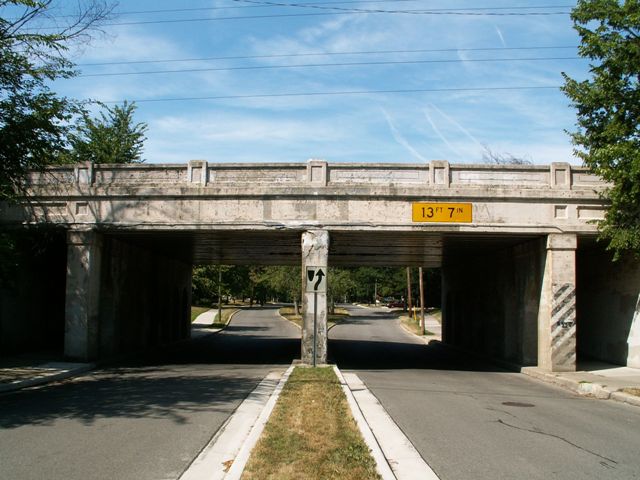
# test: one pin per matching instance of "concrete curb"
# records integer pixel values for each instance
(235, 472)
(287, 320)
(584, 388)
(398, 451)
(235, 439)
(45, 379)
(218, 329)
(383, 467)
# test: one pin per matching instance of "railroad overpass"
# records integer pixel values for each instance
(523, 278)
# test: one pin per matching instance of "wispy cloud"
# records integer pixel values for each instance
(440, 134)
(397, 136)
(499, 32)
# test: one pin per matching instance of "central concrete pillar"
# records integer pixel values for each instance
(84, 252)
(315, 253)
(557, 313)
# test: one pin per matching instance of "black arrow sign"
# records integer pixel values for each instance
(319, 275)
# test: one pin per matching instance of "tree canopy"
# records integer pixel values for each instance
(608, 112)
(112, 137)
(34, 121)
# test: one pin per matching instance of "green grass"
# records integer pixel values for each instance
(413, 325)
(339, 315)
(311, 434)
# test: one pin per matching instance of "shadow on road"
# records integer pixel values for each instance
(377, 355)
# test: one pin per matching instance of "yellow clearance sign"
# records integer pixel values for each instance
(443, 212)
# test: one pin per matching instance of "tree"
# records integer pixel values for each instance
(33, 119)
(113, 137)
(506, 158)
(608, 112)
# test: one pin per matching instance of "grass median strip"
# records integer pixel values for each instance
(311, 434)
(339, 316)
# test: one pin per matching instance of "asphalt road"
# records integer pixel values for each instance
(144, 419)
(471, 421)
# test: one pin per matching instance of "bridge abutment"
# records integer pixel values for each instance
(557, 313)
(84, 261)
(315, 253)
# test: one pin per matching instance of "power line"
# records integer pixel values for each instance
(258, 4)
(353, 12)
(337, 93)
(289, 15)
(238, 7)
(317, 54)
(430, 11)
(315, 65)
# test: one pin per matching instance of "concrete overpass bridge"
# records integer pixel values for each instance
(523, 278)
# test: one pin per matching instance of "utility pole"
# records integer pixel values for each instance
(422, 329)
(219, 294)
(409, 303)
(375, 293)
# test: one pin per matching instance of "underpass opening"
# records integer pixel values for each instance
(490, 293)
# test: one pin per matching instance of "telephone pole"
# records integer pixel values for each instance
(422, 329)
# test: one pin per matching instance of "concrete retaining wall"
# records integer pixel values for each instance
(490, 301)
(607, 306)
(32, 303)
(145, 298)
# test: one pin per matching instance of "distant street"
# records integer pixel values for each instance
(471, 420)
(143, 420)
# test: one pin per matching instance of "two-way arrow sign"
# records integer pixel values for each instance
(316, 279)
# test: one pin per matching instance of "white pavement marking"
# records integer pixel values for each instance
(230, 441)
(376, 452)
(401, 455)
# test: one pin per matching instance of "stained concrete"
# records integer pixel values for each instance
(491, 299)
(608, 307)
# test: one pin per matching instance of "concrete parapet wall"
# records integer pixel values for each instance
(558, 198)
(321, 173)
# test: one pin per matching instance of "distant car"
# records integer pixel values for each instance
(396, 304)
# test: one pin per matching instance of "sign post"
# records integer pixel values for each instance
(316, 283)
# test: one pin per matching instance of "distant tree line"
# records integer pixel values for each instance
(284, 284)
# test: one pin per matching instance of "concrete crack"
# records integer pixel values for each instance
(540, 432)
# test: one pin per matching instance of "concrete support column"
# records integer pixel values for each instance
(557, 313)
(315, 253)
(84, 252)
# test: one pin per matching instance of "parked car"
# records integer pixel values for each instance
(395, 304)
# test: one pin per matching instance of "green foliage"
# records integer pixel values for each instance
(608, 110)
(112, 137)
(284, 283)
(34, 121)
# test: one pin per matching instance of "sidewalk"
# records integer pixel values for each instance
(30, 370)
(601, 380)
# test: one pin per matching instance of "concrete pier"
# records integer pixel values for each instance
(315, 253)
(557, 313)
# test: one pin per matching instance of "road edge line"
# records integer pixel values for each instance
(382, 465)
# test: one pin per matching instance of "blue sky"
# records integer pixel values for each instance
(448, 122)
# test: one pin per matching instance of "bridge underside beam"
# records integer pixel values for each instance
(282, 247)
